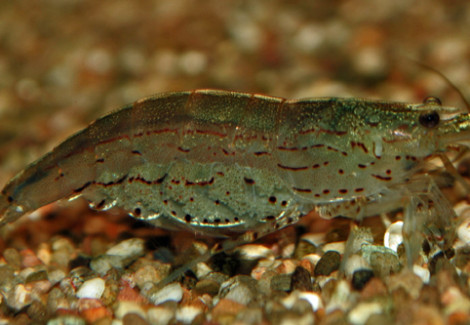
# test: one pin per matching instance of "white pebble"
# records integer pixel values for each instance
(172, 292)
(463, 231)
(335, 246)
(361, 313)
(160, 315)
(127, 307)
(92, 289)
(312, 298)
(422, 272)
(127, 248)
(353, 263)
(394, 236)
(186, 314)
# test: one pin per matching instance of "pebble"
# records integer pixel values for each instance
(146, 274)
(67, 320)
(329, 263)
(128, 307)
(312, 298)
(134, 319)
(281, 282)
(361, 277)
(301, 280)
(241, 289)
(353, 263)
(339, 247)
(207, 286)
(394, 235)
(92, 289)
(160, 315)
(382, 260)
(407, 280)
(19, 297)
(12, 257)
(361, 313)
(186, 314)
(305, 247)
(129, 248)
(171, 292)
(341, 297)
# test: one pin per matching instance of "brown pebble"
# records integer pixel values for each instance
(207, 286)
(38, 312)
(281, 282)
(133, 319)
(328, 263)
(301, 280)
(12, 257)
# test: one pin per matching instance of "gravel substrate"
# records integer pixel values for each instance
(64, 63)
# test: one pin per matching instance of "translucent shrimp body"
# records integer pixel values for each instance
(221, 163)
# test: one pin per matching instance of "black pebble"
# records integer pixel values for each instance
(361, 277)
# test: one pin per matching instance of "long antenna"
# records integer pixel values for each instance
(440, 74)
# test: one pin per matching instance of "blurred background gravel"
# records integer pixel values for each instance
(63, 63)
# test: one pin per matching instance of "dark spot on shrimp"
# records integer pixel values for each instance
(359, 190)
(326, 191)
(272, 199)
(340, 171)
(10, 199)
(248, 181)
(361, 166)
(187, 218)
(173, 212)
(137, 212)
(101, 160)
(283, 203)
(343, 191)
(136, 152)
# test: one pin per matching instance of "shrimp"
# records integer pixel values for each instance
(224, 163)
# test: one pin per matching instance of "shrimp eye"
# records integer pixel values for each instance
(429, 120)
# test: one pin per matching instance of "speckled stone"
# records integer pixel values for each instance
(329, 262)
(281, 282)
(241, 289)
(382, 260)
(301, 280)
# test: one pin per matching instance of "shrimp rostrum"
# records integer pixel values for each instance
(223, 163)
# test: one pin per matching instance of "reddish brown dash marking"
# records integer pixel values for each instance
(261, 153)
(307, 131)
(292, 168)
(359, 190)
(303, 190)
(288, 148)
(184, 150)
(249, 181)
(382, 178)
(217, 134)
